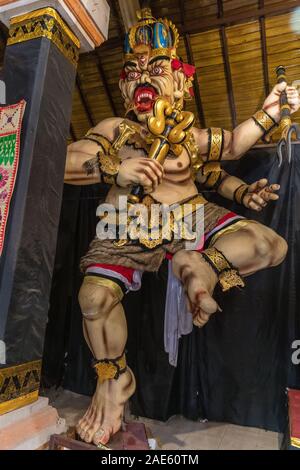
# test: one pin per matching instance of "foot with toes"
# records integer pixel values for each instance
(104, 416)
(199, 281)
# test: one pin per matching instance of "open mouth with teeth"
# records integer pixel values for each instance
(144, 98)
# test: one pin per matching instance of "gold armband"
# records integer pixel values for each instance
(98, 139)
(194, 153)
(110, 368)
(213, 173)
(227, 274)
(212, 168)
(267, 124)
(215, 143)
(240, 193)
(107, 159)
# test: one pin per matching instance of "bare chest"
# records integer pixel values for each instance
(173, 165)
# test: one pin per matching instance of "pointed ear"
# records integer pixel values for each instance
(179, 83)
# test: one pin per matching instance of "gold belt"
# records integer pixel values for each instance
(153, 236)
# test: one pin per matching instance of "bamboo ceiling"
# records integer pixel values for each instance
(234, 44)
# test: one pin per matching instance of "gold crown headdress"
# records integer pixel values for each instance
(159, 36)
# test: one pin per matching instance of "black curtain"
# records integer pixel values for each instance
(236, 369)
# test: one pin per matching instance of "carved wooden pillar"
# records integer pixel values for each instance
(40, 67)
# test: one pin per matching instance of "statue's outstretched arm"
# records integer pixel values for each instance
(260, 126)
(87, 156)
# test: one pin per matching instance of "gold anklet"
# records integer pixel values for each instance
(110, 368)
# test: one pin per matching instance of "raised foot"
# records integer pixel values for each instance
(199, 281)
(105, 413)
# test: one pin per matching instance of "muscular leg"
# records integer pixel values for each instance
(249, 249)
(105, 331)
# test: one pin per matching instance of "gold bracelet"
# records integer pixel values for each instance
(109, 166)
(266, 123)
(240, 193)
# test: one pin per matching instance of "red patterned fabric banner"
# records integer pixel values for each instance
(10, 130)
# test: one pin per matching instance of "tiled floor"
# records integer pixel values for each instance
(177, 432)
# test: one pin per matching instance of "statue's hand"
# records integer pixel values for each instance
(259, 194)
(144, 171)
(272, 104)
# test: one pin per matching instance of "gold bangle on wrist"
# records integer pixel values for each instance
(109, 166)
(240, 193)
(266, 123)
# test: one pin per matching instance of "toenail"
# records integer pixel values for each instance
(99, 434)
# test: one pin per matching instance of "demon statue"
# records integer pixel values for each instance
(154, 156)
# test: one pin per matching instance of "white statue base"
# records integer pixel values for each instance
(30, 427)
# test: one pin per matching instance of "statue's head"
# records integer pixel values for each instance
(151, 66)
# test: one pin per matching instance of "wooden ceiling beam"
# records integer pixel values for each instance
(196, 87)
(264, 54)
(105, 84)
(190, 58)
(182, 11)
(207, 25)
(84, 101)
(228, 76)
(112, 43)
(115, 12)
(235, 18)
(261, 4)
(220, 9)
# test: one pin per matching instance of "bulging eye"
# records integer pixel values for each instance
(133, 75)
(157, 70)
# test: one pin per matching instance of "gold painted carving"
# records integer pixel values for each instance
(194, 153)
(212, 179)
(240, 193)
(145, 18)
(18, 402)
(109, 161)
(126, 131)
(110, 368)
(216, 141)
(185, 121)
(230, 278)
(157, 123)
(160, 232)
(209, 167)
(228, 275)
(263, 120)
(45, 22)
(19, 385)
